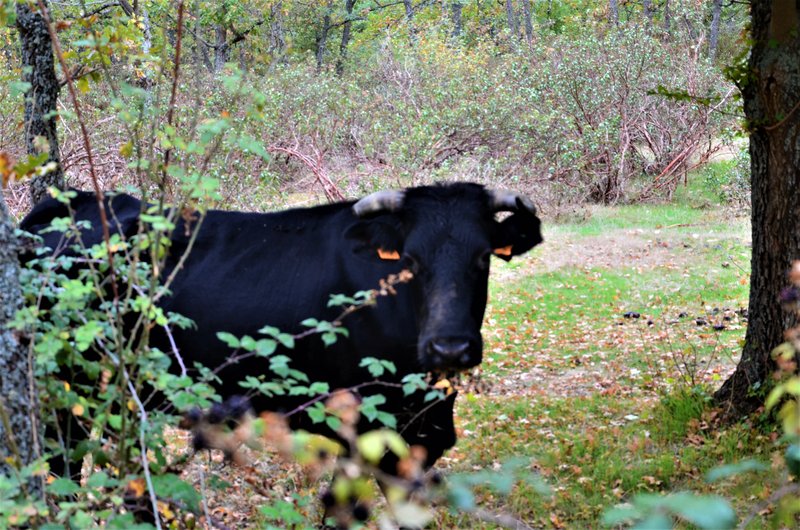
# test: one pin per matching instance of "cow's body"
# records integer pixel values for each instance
(248, 270)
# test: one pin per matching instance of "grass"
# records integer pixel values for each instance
(607, 405)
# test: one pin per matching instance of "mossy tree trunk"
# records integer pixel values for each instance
(19, 436)
(771, 93)
(40, 99)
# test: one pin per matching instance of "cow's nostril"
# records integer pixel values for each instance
(449, 349)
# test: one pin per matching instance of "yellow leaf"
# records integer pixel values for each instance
(83, 84)
(6, 169)
(66, 386)
(442, 383)
(126, 149)
(136, 487)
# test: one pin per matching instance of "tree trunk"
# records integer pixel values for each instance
(220, 47)
(613, 12)
(409, 19)
(769, 91)
(713, 37)
(40, 99)
(409, 10)
(19, 433)
(277, 37)
(512, 21)
(526, 11)
(348, 8)
(647, 7)
(322, 37)
(455, 11)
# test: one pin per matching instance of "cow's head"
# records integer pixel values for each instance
(446, 235)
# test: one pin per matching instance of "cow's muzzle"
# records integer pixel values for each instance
(448, 353)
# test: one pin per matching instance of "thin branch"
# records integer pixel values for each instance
(86, 144)
(174, 95)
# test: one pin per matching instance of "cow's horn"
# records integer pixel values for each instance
(506, 201)
(380, 201)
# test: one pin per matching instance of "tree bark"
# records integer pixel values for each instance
(220, 47)
(667, 18)
(526, 12)
(19, 434)
(713, 36)
(455, 13)
(769, 91)
(40, 99)
(647, 7)
(613, 12)
(277, 37)
(322, 37)
(512, 21)
(410, 20)
(348, 8)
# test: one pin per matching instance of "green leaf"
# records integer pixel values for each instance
(655, 521)
(63, 487)
(373, 445)
(248, 343)
(316, 412)
(265, 347)
(411, 515)
(250, 144)
(620, 514)
(333, 423)
(727, 471)
(171, 486)
(228, 339)
(706, 511)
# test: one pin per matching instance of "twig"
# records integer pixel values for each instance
(143, 446)
(175, 350)
(173, 96)
(87, 146)
(332, 192)
(778, 495)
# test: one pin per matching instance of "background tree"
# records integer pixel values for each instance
(41, 95)
(770, 85)
(19, 437)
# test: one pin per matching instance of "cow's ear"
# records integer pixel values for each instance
(516, 234)
(376, 239)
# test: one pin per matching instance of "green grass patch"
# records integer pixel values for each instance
(603, 348)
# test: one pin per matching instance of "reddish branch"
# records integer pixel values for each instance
(332, 192)
(86, 144)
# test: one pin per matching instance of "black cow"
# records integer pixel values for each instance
(248, 270)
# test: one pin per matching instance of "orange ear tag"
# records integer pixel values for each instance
(503, 251)
(389, 255)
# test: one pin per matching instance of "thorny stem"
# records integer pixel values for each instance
(143, 447)
(173, 96)
(86, 144)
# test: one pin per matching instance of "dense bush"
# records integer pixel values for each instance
(603, 117)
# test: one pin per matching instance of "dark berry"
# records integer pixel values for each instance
(217, 413)
(238, 406)
(360, 513)
(327, 499)
(199, 441)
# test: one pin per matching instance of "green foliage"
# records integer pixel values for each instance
(656, 511)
